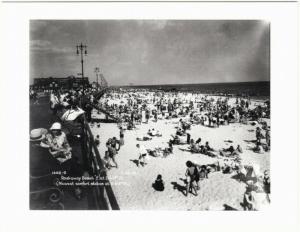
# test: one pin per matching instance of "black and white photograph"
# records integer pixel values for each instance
(150, 115)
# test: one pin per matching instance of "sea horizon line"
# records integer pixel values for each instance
(206, 83)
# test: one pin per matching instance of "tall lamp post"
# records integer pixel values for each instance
(97, 70)
(80, 50)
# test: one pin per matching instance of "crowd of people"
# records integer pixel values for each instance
(51, 145)
(136, 107)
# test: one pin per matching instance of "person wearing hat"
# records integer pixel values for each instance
(58, 144)
(37, 136)
(60, 149)
(41, 162)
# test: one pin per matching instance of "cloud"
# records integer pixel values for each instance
(47, 46)
(153, 24)
(153, 51)
(36, 25)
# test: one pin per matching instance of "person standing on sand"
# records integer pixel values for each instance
(112, 152)
(114, 142)
(218, 119)
(249, 200)
(258, 135)
(121, 136)
(192, 175)
(268, 138)
(142, 155)
(155, 116)
(147, 116)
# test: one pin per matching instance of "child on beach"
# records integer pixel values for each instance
(142, 155)
(159, 184)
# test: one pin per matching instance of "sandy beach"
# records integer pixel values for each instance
(132, 185)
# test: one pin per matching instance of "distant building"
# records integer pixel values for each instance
(60, 82)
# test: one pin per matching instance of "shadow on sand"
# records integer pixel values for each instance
(179, 187)
(250, 141)
(135, 161)
(182, 149)
(229, 208)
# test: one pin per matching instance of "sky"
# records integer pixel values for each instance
(151, 52)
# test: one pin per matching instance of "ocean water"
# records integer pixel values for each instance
(254, 89)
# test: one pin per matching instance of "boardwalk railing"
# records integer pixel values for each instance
(106, 113)
(103, 194)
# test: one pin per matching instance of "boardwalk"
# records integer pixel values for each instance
(41, 117)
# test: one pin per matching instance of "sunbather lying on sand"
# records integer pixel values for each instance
(206, 150)
(208, 168)
(153, 132)
(176, 140)
(160, 152)
(231, 152)
(145, 138)
(229, 165)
